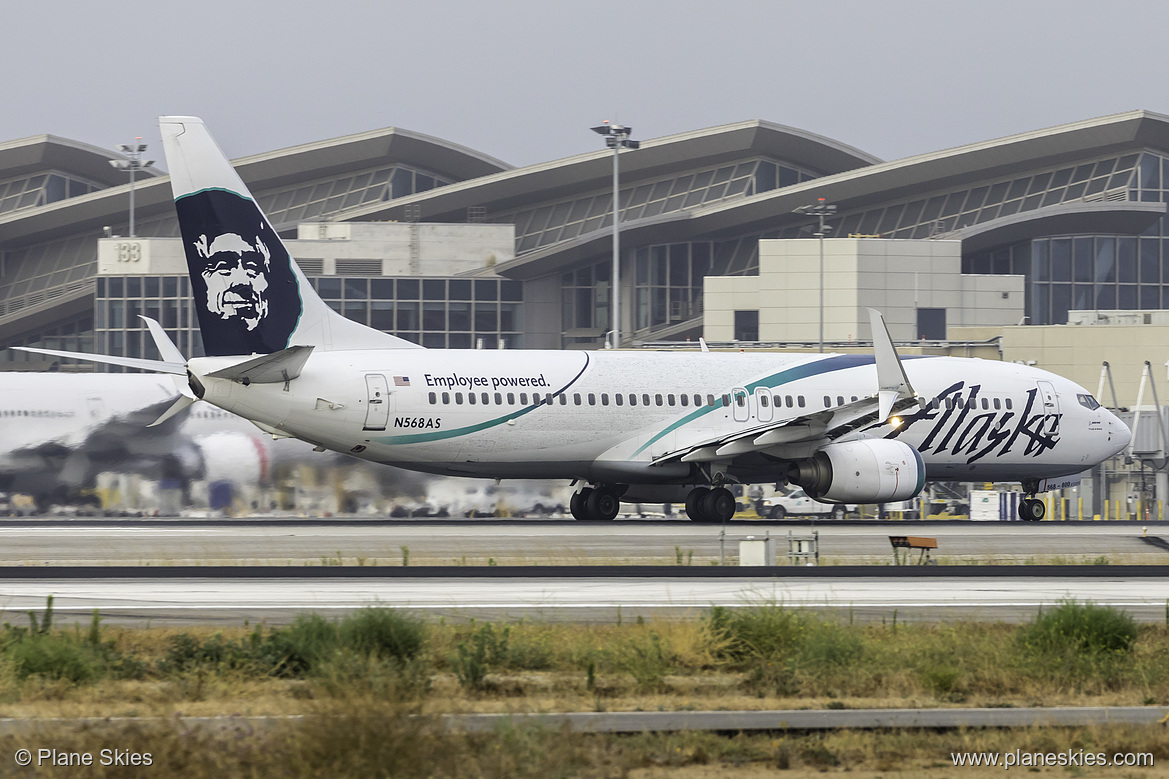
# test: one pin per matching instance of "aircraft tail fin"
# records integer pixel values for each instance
(251, 297)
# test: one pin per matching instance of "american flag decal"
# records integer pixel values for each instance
(401, 381)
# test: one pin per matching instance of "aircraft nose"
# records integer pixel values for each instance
(1119, 433)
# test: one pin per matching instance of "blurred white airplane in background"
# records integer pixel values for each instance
(58, 431)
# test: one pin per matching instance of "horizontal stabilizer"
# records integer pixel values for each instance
(154, 366)
(284, 365)
(180, 405)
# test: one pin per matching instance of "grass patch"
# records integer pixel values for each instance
(370, 737)
(762, 655)
(310, 643)
(1080, 628)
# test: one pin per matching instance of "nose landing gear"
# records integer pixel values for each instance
(1031, 509)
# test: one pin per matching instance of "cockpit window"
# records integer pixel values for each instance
(1088, 402)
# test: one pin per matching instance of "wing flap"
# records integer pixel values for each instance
(826, 425)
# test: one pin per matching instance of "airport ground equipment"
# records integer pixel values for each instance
(910, 543)
(803, 548)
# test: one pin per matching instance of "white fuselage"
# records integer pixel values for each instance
(608, 415)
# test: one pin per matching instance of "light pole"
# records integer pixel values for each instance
(133, 152)
(820, 209)
(616, 138)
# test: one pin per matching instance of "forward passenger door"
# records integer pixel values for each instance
(377, 413)
(740, 404)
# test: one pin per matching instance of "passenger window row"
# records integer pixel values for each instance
(592, 399)
(687, 400)
(779, 401)
(972, 403)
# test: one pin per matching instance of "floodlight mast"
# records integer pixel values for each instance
(616, 138)
(820, 209)
(132, 163)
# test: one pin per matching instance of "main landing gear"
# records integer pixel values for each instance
(597, 503)
(1031, 509)
(602, 502)
(710, 506)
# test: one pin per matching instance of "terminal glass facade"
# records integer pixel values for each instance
(31, 191)
(1094, 271)
(74, 334)
(1062, 273)
(318, 200)
(34, 274)
(560, 221)
(667, 287)
(937, 215)
(454, 313)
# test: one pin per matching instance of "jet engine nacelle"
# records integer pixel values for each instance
(866, 471)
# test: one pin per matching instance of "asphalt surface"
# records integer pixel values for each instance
(193, 599)
(451, 542)
(180, 571)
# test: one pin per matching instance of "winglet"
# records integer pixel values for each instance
(702, 344)
(892, 383)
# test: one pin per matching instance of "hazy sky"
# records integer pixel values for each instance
(523, 81)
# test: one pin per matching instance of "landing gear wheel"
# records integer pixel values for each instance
(602, 505)
(718, 505)
(577, 505)
(1032, 510)
(694, 504)
(839, 512)
(1025, 510)
(1038, 509)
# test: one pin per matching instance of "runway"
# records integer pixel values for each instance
(551, 598)
(39, 558)
(451, 542)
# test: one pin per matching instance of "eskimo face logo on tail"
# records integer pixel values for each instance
(241, 276)
(236, 275)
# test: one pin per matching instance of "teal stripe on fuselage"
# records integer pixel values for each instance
(440, 435)
(814, 368)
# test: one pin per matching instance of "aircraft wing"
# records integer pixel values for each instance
(817, 428)
(792, 437)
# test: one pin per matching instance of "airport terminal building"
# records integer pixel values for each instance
(451, 248)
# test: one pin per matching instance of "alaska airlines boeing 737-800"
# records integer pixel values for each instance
(624, 425)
